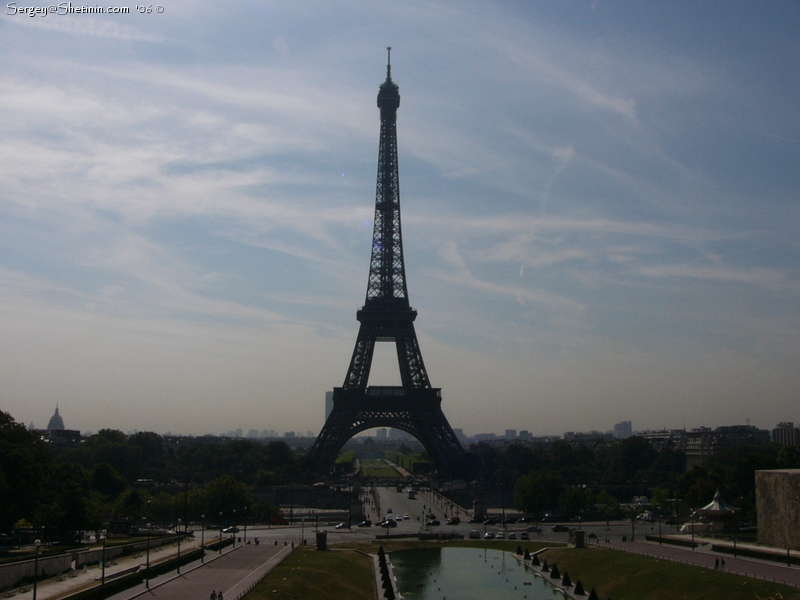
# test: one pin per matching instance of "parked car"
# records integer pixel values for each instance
(474, 534)
(524, 536)
(512, 536)
(559, 528)
(488, 535)
(231, 530)
(453, 521)
(432, 523)
(341, 526)
(501, 535)
(366, 523)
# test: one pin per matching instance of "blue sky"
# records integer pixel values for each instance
(600, 211)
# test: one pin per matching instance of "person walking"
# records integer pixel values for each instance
(213, 595)
(219, 596)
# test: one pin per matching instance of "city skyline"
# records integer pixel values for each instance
(599, 203)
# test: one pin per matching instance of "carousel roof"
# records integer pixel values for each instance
(717, 506)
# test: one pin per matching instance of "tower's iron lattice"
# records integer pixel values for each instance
(414, 406)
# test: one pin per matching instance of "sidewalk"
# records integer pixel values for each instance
(234, 573)
(59, 587)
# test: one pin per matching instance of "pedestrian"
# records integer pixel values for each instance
(213, 595)
(723, 564)
(219, 596)
(716, 564)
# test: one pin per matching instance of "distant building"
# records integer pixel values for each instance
(381, 434)
(253, 433)
(511, 434)
(786, 434)
(700, 443)
(462, 438)
(588, 437)
(399, 434)
(525, 435)
(623, 430)
(328, 404)
(56, 422)
(485, 437)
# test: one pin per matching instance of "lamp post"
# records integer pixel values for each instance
(147, 568)
(103, 575)
(203, 539)
(233, 533)
(244, 518)
(659, 532)
(220, 532)
(179, 546)
(37, 543)
(633, 530)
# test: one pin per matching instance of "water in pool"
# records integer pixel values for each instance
(467, 574)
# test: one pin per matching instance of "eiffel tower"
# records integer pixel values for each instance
(414, 406)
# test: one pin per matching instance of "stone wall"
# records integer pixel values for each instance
(778, 507)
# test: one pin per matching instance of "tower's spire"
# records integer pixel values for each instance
(389, 63)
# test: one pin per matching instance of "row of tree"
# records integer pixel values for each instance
(136, 479)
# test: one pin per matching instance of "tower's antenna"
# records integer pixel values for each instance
(389, 62)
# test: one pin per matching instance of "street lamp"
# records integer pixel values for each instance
(244, 518)
(179, 546)
(37, 543)
(220, 532)
(147, 568)
(203, 539)
(103, 575)
(233, 533)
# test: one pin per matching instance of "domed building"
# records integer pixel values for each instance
(56, 422)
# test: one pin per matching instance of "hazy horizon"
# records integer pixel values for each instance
(599, 201)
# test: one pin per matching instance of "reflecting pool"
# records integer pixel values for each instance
(467, 574)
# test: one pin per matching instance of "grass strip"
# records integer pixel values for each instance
(309, 573)
(623, 576)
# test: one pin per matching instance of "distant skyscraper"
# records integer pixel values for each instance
(328, 404)
(56, 422)
(253, 433)
(511, 434)
(524, 434)
(623, 430)
(461, 436)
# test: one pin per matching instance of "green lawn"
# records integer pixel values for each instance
(310, 574)
(374, 468)
(623, 576)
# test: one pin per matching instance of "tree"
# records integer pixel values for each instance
(106, 481)
(538, 492)
(226, 495)
(575, 500)
(607, 504)
(24, 462)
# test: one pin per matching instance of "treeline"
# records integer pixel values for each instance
(137, 478)
(579, 479)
